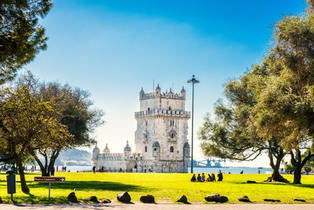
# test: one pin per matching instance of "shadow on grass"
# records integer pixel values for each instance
(89, 185)
(311, 186)
(31, 198)
(40, 200)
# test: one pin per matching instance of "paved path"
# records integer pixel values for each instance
(141, 206)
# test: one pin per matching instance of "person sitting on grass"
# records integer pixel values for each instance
(209, 179)
(213, 177)
(203, 177)
(193, 179)
(199, 178)
(220, 177)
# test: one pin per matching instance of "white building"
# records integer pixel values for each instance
(161, 143)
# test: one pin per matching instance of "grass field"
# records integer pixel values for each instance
(166, 188)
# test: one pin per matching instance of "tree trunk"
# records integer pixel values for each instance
(297, 175)
(45, 171)
(298, 163)
(42, 167)
(47, 168)
(53, 158)
(276, 176)
(19, 164)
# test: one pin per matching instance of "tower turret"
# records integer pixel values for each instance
(183, 92)
(95, 154)
(106, 150)
(158, 90)
(142, 93)
(127, 151)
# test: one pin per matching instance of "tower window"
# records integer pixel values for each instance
(148, 109)
(169, 107)
(172, 134)
(171, 149)
(171, 122)
(146, 123)
(145, 148)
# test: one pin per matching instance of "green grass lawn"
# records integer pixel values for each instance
(166, 188)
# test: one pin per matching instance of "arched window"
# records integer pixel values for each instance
(171, 149)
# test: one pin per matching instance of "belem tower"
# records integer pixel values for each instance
(161, 143)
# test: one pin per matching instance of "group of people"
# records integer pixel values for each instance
(210, 178)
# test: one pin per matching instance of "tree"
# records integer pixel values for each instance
(285, 106)
(232, 135)
(308, 166)
(282, 87)
(21, 37)
(76, 113)
(28, 123)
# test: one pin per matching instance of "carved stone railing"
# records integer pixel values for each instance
(156, 112)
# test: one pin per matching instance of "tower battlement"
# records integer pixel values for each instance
(159, 94)
(166, 113)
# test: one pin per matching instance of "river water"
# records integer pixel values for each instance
(225, 170)
(232, 170)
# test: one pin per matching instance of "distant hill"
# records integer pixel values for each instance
(74, 157)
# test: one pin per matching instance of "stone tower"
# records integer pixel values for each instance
(162, 129)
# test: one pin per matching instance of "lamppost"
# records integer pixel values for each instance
(193, 81)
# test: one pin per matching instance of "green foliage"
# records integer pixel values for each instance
(166, 188)
(233, 134)
(273, 102)
(76, 113)
(28, 123)
(21, 37)
(289, 167)
(285, 106)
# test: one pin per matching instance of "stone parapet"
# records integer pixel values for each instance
(166, 113)
(162, 95)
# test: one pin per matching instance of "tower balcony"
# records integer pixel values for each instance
(172, 140)
(163, 113)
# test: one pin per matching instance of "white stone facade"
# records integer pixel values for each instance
(161, 143)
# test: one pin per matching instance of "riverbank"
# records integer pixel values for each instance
(225, 170)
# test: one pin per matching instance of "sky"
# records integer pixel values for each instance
(113, 48)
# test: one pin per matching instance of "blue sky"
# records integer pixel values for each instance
(113, 48)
